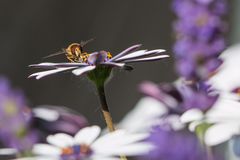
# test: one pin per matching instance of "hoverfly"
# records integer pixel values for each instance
(74, 52)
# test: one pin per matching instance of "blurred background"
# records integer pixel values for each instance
(30, 30)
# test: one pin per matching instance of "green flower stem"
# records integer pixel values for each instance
(99, 76)
(106, 113)
(200, 132)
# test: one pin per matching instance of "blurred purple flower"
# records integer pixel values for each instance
(175, 145)
(180, 97)
(54, 119)
(199, 37)
(14, 119)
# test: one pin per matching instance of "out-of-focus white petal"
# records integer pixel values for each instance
(60, 140)
(56, 65)
(45, 149)
(220, 133)
(154, 58)
(140, 53)
(127, 139)
(46, 114)
(8, 151)
(192, 126)
(42, 74)
(128, 150)
(87, 135)
(144, 115)
(103, 158)
(82, 70)
(107, 138)
(174, 121)
(118, 139)
(192, 115)
(38, 158)
(228, 75)
(224, 110)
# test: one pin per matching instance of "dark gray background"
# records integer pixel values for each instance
(32, 29)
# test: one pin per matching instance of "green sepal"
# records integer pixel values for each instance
(100, 75)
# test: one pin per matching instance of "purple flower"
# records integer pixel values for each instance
(14, 119)
(180, 97)
(54, 119)
(175, 145)
(199, 37)
(100, 62)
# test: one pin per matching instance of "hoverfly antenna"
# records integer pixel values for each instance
(83, 43)
(56, 54)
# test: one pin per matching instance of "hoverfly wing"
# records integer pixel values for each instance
(83, 43)
(63, 51)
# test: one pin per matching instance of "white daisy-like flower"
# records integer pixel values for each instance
(144, 116)
(83, 62)
(86, 145)
(227, 79)
(224, 117)
(152, 113)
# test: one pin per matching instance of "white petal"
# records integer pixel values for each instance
(42, 74)
(100, 157)
(8, 151)
(60, 140)
(51, 65)
(192, 126)
(174, 121)
(47, 150)
(126, 51)
(154, 58)
(224, 110)
(136, 121)
(227, 78)
(107, 138)
(114, 64)
(87, 135)
(46, 114)
(131, 55)
(118, 138)
(140, 54)
(220, 133)
(128, 150)
(191, 115)
(38, 158)
(97, 157)
(82, 70)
